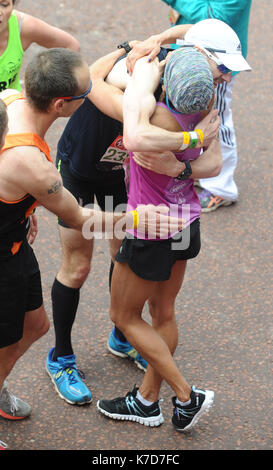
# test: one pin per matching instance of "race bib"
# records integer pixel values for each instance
(116, 152)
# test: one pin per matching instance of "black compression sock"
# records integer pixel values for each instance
(118, 334)
(65, 302)
(111, 274)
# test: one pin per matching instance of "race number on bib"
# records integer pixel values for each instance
(116, 152)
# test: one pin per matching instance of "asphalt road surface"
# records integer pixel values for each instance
(224, 310)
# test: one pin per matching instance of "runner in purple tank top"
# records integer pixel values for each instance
(148, 268)
(148, 187)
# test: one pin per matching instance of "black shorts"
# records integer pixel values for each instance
(153, 260)
(108, 195)
(20, 292)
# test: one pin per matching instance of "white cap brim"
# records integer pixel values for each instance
(234, 62)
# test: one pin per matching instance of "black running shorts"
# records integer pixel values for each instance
(86, 191)
(20, 292)
(153, 260)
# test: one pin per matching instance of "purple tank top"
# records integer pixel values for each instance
(147, 187)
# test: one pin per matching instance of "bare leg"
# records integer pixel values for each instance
(75, 267)
(162, 310)
(114, 246)
(35, 326)
(76, 258)
(129, 293)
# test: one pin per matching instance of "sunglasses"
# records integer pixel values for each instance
(79, 97)
(223, 69)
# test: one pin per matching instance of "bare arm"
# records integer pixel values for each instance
(109, 99)
(43, 182)
(139, 104)
(33, 229)
(138, 107)
(37, 31)
(208, 165)
(106, 97)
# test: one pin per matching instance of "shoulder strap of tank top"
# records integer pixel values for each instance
(11, 98)
(26, 138)
(176, 116)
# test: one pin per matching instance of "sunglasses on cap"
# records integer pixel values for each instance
(79, 97)
(223, 69)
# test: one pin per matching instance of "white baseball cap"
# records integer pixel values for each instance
(217, 37)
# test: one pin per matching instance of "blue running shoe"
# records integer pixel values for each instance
(67, 379)
(121, 349)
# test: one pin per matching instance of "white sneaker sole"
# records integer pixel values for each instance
(208, 402)
(153, 421)
(64, 398)
(116, 353)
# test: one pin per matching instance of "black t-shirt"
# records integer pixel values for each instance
(86, 139)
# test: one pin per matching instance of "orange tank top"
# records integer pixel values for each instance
(14, 214)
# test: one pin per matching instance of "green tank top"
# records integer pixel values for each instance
(12, 57)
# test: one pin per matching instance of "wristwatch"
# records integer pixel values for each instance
(185, 174)
(125, 45)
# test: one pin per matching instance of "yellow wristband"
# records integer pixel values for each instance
(136, 218)
(186, 140)
(201, 135)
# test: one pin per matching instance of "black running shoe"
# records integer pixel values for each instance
(129, 408)
(185, 417)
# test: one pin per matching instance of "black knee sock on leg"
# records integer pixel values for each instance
(65, 302)
(118, 334)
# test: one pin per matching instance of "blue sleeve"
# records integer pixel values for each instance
(191, 11)
(228, 11)
(197, 10)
